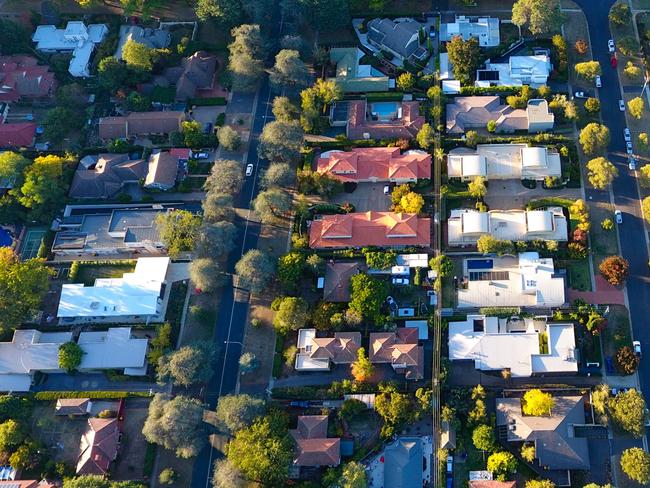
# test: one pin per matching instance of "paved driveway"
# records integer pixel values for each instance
(367, 196)
(510, 194)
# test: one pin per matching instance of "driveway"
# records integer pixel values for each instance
(207, 115)
(367, 196)
(510, 194)
(93, 382)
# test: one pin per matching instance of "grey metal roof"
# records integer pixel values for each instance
(395, 35)
(403, 463)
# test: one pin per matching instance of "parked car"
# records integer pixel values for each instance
(386, 190)
(616, 391)
(299, 404)
(599, 82)
(201, 155)
(450, 463)
(400, 281)
(391, 304)
(632, 164)
(628, 147)
(613, 61)
(580, 94)
(627, 135)
(610, 46)
(249, 169)
(619, 216)
(621, 105)
(636, 345)
(609, 365)
(208, 128)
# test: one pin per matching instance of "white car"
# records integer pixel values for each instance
(632, 164)
(599, 82)
(580, 94)
(618, 215)
(621, 105)
(636, 345)
(249, 169)
(628, 148)
(627, 135)
(610, 46)
(386, 190)
(201, 155)
(400, 281)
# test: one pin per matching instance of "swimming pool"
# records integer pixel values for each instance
(5, 238)
(384, 110)
(480, 264)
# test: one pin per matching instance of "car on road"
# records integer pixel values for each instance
(628, 147)
(599, 82)
(610, 46)
(627, 135)
(619, 216)
(580, 94)
(201, 155)
(450, 463)
(632, 164)
(621, 105)
(400, 281)
(636, 345)
(613, 61)
(249, 169)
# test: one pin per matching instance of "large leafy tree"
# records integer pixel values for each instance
(426, 137)
(277, 175)
(228, 12)
(70, 356)
(255, 270)
(113, 74)
(217, 239)
(502, 463)
(540, 16)
(226, 475)
(289, 69)
(290, 269)
(594, 138)
(218, 207)
(394, 408)
(11, 434)
(614, 269)
(620, 13)
(246, 56)
(284, 110)
(601, 172)
(353, 476)
(139, 56)
(362, 369)
(636, 106)
(281, 141)
(11, 166)
(178, 230)
(483, 437)
(628, 410)
(176, 424)
(22, 287)
(588, 70)
(536, 402)
(330, 14)
(367, 296)
(42, 190)
(206, 274)
(465, 57)
(226, 177)
(237, 412)
(272, 203)
(188, 365)
(635, 463)
(292, 314)
(14, 38)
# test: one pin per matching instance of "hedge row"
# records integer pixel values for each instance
(206, 102)
(98, 395)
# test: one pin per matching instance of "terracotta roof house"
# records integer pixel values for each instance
(388, 229)
(400, 38)
(140, 124)
(337, 281)
(400, 349)
(163, 170)
(20, 134)
(475, 112)
(373, 164)
(492, 484)
(27, 484)
(378, 120)
(22, 78)
(316, 353)
(98, 446)
(104, 175)
(73, 406)
(313, 447)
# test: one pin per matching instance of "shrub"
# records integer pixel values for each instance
(626, 361)
(607, 224)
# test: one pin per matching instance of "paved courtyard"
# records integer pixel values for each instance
(367, 196)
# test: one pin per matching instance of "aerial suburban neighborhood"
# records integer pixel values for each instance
(324, 243)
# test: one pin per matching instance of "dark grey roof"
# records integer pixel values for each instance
(403, 463)
(106, 176)
(395, 35)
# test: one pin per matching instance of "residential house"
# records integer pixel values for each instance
(152, 38)
(336, 287)
(138, 124)
(105, 175)
(447, 435)
(318, 353)
(137, 296)
(484, 29)
(21, 78)
(27, 484)
(163, 170)
(20, 134)
(353, 77)
(195, 74)
(467, 113)
(404, 463)
(558, 445)
(534, 346)
(313, 447)
(375, 164)
(76, 38)
(401, 38)
(491, 484)
(73, 406)
(504, 162)
(532, 70)
(377, 120)
(32, 351)
(400, 349)
(360, 229)
(98, 447)
(467, 226)
(525, 280)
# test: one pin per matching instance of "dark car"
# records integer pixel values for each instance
(299, 404)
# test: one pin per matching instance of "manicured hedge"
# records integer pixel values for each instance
(385, 97)
(55, 395)
(205, 102)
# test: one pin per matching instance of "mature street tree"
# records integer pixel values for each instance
(23, 284)
(592, 105)
(272, 203)
(70, 356)
(614, 269)
(635, 463)
(176, 424)
(248, 362)
(628, 410)
(594, 138)
(227, 12)
(289, 69)
(284, 110)
(139, 56)
(628, 46)
(483, 437)
(411, 202)
(292, 314)
(625, 361)
(255, 270)
(426, 137)
(206, 274)
(588, 70)
(636, 106)
(542, 484)
(362, 369)
(537, 403)
(290, 270)
(226, 475)
(226, 177)
(229, 138)
(179, 230)
(601, 173)
(188, 365)
(281, 141)
(465, 57)
(367, 296)
(502, 463)
(246, 56)
(218, 207)
(217, 239)
(540, 16)
(12, 165)
(277, 175)
(620, 13)
(631, 70)
(237, 412)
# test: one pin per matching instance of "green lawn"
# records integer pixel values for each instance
(579, 275)
(87, 274)
(163, 94)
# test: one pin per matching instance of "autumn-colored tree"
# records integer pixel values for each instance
(581, 46)
(626, 361)
(614, 269)
(362, 368)
(537, 403)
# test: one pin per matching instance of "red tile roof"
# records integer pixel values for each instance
(22, 77)
(405, 127)
(369, 229)
(337, 281)
(98, 446)
(26, 484)
(492, 484)
(17, 135)
(376, 164)
(399, 348)
(140, 124)
(340, 349)
(313, 447)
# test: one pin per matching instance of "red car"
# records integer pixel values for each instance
(614, 62)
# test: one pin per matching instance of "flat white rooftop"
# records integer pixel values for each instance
(530, 70)
(112, 349)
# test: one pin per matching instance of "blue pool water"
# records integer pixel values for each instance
(480, 264)
(376, 72)
(5, 238)
(384, 110)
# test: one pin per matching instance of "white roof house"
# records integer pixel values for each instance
(485, 29)
(504, 162)
(75, 38)
(413, 260)
(532, 70)
(31, 351)
(532, 345)
(522, 281)
(304, 361)
(135, 294)
(465, 226)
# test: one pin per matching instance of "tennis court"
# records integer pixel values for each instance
(31, 243)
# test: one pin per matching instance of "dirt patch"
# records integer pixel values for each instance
(61, 435)
(133, 446)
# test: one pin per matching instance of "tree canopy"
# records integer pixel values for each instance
(227, 12)
(502, 463)
(291, 315)
(272, 203)
(614, 269)
(483, 437)
(540, 16)
(138, 55)
(426, 136)
(588, 70)
(635, 463)
(536, 402)
(226, 475)
(289, 69)
(229, 138)
(246, 55)
(255, 270)
(284, 110)
(628, 410)
(636, 106)
(362, 368)
(281, 141)
(226, 177)
(394, 408)
(277, 175)
(190, 364)
(206, 274)
(594, 138)
(601, 172)
(237, 412)
(42, 190)
(465, 57)
(367, 296)
(179, 230)
(70, 356)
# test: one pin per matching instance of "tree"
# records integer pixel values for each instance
(281, 141)
(570, 111)
(620, 13)
(289, 69)
(412, 202)
(23, 284)
(642, 140)
(248, 362)
(12, 165)
(465, 57)
(25, 456)
(193, 135)
(227, 12)
(58, 122)
(237, 412)
(262, 452)
(491, 126)
(472, 138)
(217, 239)
(592, 105)
(628, 410)
(635, 463)
(614, 269)
(600, 398)
(178, 230)
(394, 408)
(70, 355)
(112, 73)
(351, 408)
(588, 70)
(225, 177)
(581, 46)
(528, 452)
(292, 314)
(255, 270)
(488, 244)
(188, 365)
(14, 38)
(246, 55)
(367, 296)
(601, 173)
(226, 475)
(405, 81)
(540, 16)
(477, 187)
(426, 137)
(442, 264)
(628, 46)
(139, 56)
(218, 207)
(353, 476)
(87, 481)
(537, 403)
(206, 274)
(176, 424)
(284, 110)
(11, 434)
(594, 138)
(15, 408)
(362, 368)
(631, 70)
(272, 203)
(645, 207)
(502, 463)
(636, 107)
(626, 361)
(277, 175)
(42, 190)
(331, 14)
(483, 437)
(229, 138)
(540, 484)
(167, 476)
(290, 269)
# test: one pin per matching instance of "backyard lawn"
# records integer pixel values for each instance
(88, 273)
(579, 275)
